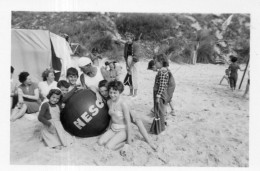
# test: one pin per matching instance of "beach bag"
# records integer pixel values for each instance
(156, 126)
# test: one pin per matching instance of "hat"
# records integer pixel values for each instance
(83, 61)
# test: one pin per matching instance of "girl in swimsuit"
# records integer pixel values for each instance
(120, 129)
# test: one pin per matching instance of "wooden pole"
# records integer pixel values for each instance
(244, 73)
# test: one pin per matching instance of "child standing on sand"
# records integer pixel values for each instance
(226, 77)
(151, 66)
(120, 129)
(233, 67)
(53, 132)
(164, 86)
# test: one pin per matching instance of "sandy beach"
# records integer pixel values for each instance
(211, 127)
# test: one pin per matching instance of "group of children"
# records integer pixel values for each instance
(119, 131)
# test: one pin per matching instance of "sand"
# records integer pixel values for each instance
(211, 127)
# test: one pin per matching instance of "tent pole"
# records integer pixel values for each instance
(244, 73)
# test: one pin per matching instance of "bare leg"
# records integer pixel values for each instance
(18, 113)
(131, 91)
(106, 137)
(116, 139)
(221, 80)
(144, 133)
(172, 109)
(135, 93)
(120, 145)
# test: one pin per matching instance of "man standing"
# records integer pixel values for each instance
(131, 57)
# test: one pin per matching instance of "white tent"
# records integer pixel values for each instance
(35, 50)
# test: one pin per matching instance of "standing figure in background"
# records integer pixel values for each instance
(95, 57)
(233, 67)
(131, 57)
(226, 77)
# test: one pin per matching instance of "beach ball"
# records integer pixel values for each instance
(84, 115)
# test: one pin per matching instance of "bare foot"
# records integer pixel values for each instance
(153, 146)
(172, 113)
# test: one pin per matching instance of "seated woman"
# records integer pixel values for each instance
(28, 97)
(47, 84)
(120, 129)
(135, 119)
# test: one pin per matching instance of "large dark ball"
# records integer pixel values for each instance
(84, 115)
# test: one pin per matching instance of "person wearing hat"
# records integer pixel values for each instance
(131, 55)
(91, 75)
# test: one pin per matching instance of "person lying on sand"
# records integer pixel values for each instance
(134, 118)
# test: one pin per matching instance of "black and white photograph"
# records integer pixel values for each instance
(131, 87)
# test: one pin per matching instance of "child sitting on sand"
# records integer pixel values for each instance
(63, 86)
(134, 118)
(72, 77)
(120, 129)
(226, 76)
(53, 132)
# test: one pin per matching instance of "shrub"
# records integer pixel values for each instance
(152, 26)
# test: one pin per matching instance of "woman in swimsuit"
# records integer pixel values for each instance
(120, 129)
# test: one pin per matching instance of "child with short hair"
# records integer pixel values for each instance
(151, 66)
(233, 67)
(72, 77)
(226, 76)
(63, 86)
(164, 86)
(120, 129)
(53, 132)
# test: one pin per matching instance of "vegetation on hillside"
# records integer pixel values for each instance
(175, 35)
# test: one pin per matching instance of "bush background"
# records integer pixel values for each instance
(175, 35)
